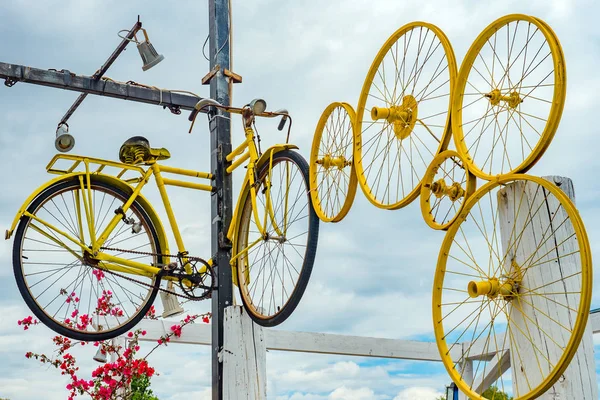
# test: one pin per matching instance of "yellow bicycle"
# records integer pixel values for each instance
(90, 252)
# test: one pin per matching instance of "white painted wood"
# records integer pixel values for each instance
(243, 357)
(324, 343)
(198, 333)
(309, 342)
(498, 366)
(484, 349)
(595, 322)
(540, 324)
(466, 373)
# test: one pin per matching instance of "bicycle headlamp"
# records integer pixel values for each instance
(258, 106)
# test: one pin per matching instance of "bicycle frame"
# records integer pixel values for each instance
(246, 151)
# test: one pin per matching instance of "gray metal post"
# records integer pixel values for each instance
(221, 204)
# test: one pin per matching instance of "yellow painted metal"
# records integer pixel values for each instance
(84, 201)
(96, 244)
(402, 117)
(189, 185)
(79, 220)
(186, 172)
(77, 160)
(126, 270)
(266, 156)
(249, 189)
(110, 180)
(165, 198)
(512, 86)
(497, 281)
(490, 288)
(240, 149)
(55, 229)
(402, 123)
(446, 186)
(134, 267)
(243, 158)
(56, 240)
(331, 167)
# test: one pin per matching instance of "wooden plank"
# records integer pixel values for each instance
(243, 357)
(86, 84)
(198, 333)
(497, 367)
(324, 343)
(484, 349)
(594, 322)
(540, 322)
(309, 342)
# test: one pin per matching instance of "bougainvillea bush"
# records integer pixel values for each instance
(126, 376)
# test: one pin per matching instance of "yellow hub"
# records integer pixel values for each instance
(402, 117)
(513, 99)
(493, 287)
(328, 161)
(490, 288)
(454, 191)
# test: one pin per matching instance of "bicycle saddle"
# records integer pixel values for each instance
(137, 150)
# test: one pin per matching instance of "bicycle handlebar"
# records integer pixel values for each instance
(235, 110)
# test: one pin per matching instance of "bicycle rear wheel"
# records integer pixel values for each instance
(273, 269)
(70, 295)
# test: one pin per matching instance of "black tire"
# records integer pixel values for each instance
(275, 315)
(113, 303)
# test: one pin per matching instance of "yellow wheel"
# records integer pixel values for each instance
(446, 186)
(402, 119)
(512, 288)
(509, 96)
(332, 177)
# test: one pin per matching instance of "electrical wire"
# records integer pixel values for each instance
(133, 83)
(204, 48)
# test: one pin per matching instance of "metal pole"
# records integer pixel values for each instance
(221, 202)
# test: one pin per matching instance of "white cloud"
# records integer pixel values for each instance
(343, 393)
(418, 393)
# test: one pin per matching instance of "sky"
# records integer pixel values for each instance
(374, 270)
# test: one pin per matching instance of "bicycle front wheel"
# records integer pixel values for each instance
(273, 267)
(71, 294)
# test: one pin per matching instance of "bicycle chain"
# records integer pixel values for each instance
(190, 258)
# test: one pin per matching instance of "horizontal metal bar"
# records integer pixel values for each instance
(186, 172)
(85, 84)
(238, 162)
(98, 74)
(189, 185)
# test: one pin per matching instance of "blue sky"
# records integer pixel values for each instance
(374, 270)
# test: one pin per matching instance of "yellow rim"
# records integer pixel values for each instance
(446, 186)
(509, 96)
(332, 177)
(489, 282)
(402, 119)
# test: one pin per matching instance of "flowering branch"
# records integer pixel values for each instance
(112, 380)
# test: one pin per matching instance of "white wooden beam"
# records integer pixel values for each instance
(243, 356)
(495, 369)
(308, 342)
(595, 322)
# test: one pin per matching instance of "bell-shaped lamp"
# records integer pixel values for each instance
(150, 56)
(64, 142)
(171, 306)
(100, 356)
